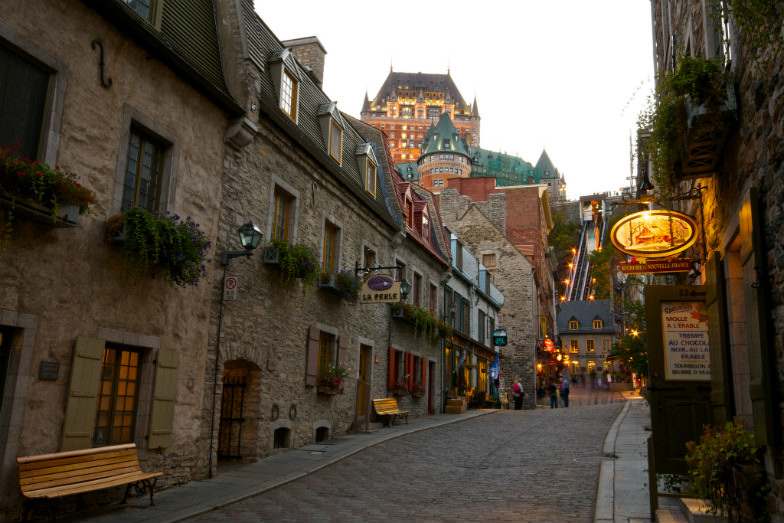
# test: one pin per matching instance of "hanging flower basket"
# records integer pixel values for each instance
(294, 261)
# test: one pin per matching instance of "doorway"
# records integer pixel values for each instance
(363, 382)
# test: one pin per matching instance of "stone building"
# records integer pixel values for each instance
(91, 86)
(480, 226)
(407, 104)
(733, 183)
(322, 182)
(587, 330)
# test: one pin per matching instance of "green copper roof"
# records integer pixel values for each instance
(444, 137)
(545, 166)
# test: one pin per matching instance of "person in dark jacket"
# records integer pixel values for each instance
(552, 389)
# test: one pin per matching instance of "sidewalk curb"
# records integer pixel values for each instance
(605, 492)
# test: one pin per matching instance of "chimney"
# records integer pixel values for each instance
(310, 54)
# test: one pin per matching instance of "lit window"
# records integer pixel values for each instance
(590, 346)
(288, 95)
(574, 345)
(573, 325)
(118, 396)
(597, 324)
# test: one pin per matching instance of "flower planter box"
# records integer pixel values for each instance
(328, 282)
(328, 391)
(706, 133)
(67, 215)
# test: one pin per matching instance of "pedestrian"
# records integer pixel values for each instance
(553, 390)
(565, 392)
(517, 393)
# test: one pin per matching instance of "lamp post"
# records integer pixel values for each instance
(250, 237)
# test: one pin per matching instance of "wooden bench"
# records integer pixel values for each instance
(388, 407)
(46, 477)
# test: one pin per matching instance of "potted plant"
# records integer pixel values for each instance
(418, 390)
(342, 283)
(160, 244)
(295, 261)
(401, 387)
(422, 319)
(36, 190)
(330, 380)
(688, 120)
(725, 469)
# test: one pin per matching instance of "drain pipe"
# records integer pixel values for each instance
(215, 374)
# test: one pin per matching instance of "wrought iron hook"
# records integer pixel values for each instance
(107, 82)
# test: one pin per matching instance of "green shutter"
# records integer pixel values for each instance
(82, 394)
(163, 396)
(715, 304)
(760, 356)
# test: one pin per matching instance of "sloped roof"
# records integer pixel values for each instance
(585, 311)
(545, 166)
(444, 137)
(426, 82)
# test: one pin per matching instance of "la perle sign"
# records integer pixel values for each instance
(380, 289)
(654, 234)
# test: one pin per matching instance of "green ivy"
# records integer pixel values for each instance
(297, 261)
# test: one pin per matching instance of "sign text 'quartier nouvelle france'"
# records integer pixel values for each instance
(686, 344)
(380, 288)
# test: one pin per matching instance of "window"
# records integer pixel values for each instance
(288, 94)
(597, 324)
(488, 260)
(335, 141)
(401, 272)
(329, 254)
(590, 346)
(574, 346)
(606, 345)
(326, 348)
(143, 171)
(369, 257)
(481, 326)
(22, 103)
(281, 224)
(416, 289)
(144, 8)
(431, 302)
(425, 228)
(370, 178)
(464, 311)
(117, 396)
(573, 325)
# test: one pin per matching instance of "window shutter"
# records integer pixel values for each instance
(311, 365)
(391, 370)
(761, 361)
(424, 372)
(82, 400)
(716, 306)
(410, 369)
(342, 351)
(163, 396)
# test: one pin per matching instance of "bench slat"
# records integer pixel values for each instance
(89, 486)
(83, 467)
(55, 480)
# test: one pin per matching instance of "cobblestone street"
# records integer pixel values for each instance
(510, 466)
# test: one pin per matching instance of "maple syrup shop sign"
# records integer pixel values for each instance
(686, 344)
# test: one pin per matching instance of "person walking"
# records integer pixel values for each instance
(553, 390)
(565, 391)
(517, 393)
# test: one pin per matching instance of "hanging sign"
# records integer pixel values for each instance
(380, 288)
(499, 337)
(548, 345)
(658, 266)
(654, 234)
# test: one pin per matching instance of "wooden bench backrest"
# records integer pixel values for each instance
(383, 405)
(77, 466)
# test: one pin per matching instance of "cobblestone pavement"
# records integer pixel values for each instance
(510, 466)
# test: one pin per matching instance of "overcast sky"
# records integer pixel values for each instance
(565, 76)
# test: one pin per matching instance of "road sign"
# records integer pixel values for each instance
(229, 288)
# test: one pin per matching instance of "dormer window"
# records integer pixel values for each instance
(335, 142)
(573, 325)
(332, 130)
(286, 82)
(598, 324)
(425, 228)
(367, 163)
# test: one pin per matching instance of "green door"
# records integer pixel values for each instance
(679, 382)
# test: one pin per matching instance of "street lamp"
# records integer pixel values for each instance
(250, 237)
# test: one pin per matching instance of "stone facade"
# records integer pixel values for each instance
(65, 285)
(740, 214)
(481, 227)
